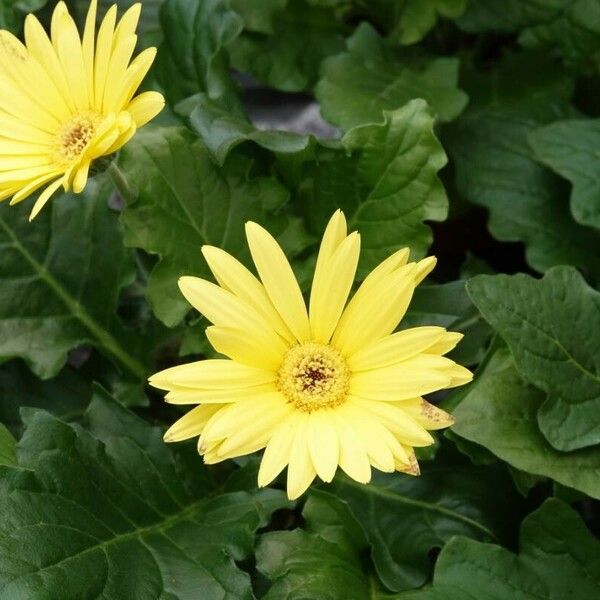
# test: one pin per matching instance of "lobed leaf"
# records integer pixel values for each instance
(558, 558)
(107, 509)
(500, 411)
(552, 327)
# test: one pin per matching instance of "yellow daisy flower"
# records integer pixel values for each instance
(65, 101)
(319, 388)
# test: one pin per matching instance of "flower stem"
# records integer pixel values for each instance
(120, 181)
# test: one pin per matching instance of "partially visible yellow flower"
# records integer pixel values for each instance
(319, 388)
(66, 101)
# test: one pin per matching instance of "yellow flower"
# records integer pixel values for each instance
(317, 388)
(65, 101)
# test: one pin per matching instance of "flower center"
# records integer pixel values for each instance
(313, 376)
(75, 135)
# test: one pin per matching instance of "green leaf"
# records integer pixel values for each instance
(222, 130)
(259, 15)
(7, 447)
(386, 182)
(12, 12)
(193, 56)
(495, 166)
(405, 517)
(508, 16)
(417, 17)
(66, 395)
(571, 149)
(552, 327)
(558, 558)
(183, 200)
(499, 412)
(61, 276)
(288, 58)
(323, 561)
(359, 84)
(107, 509)
(571, 27)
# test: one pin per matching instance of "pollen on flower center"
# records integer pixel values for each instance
(75, 135)
(314, 376)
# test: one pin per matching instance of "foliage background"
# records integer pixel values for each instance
(465, 128)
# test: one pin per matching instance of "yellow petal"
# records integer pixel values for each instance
(221, 307)
(233, 276)
(145, 107)
(301, 471)
(104, 44)
(191, 424)
(26, 73)
(402, 425)
(446, 343)
(424, 267)
(373, 436)
(119, 60)
(245, 417)
(212, 374)
(183, 395)
(133, 77)
(395, 348)
(31, 187)
(278, 451)
(335, 233)
(375, 314)
(458, 375)
(255, 433)
(41, 50)
(279, 280)
(246, 347)
(44, 197)
(389, 265)
(335, 280)
(87, 46)
(323, 444)
(412, 468)
(67, 44)
(429, 416)
(408, 379)
(353, 459)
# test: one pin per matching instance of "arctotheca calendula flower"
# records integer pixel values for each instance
(66, 100)
(319, 388)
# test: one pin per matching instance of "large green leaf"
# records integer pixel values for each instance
(386, 182)
(405, 517)
(108, 510)
(289, 56)
(192, 57)
(508, 16)
(12, 12)
(322, 561)
(416, 17)
(552, 327)
(571, 27)
(495, 166)
(571, 149)
(66, 395)
(182, 200)
(370, 77)
(499, 412)
(558, 559)
(222, 130)
(7, 447)
(61, 276)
